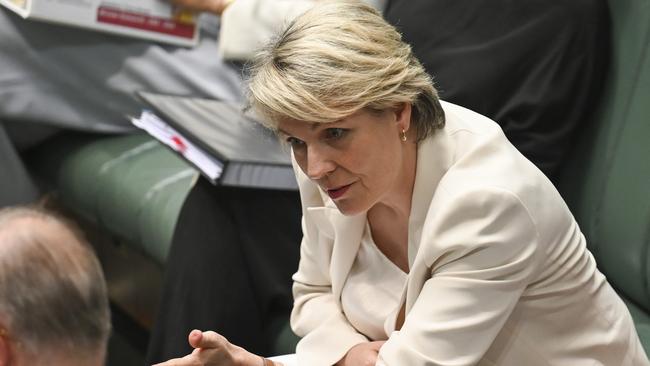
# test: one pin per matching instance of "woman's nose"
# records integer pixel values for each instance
(319, 164)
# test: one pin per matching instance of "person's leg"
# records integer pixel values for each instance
(206, 284)
(270, 234)
(229, 268)
(70, 77)
(16, 186)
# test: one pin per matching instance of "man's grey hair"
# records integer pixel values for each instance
(52, 290)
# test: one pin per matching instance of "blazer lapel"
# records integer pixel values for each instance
(435, 157)
(347, 240)
(433, 161)
(346, 232)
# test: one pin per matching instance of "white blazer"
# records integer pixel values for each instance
(499, 270)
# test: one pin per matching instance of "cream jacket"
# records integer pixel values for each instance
(499, 270)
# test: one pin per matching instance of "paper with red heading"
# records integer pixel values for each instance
(156, 20)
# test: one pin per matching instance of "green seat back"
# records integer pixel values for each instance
(607, 181)
(130, 185)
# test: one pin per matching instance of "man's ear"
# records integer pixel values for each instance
(5, 351)
(403, 116)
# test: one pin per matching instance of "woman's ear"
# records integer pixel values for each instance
(403, 116)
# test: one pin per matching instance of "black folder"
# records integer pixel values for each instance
(250, 155)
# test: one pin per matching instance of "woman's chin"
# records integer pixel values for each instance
(348, 209)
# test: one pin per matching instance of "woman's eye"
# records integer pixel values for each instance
(335, 133)
(294, 142)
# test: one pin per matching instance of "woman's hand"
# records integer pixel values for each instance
(212, 6)
(363, 354)
(212, 349)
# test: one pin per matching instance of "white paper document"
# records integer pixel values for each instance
(157, 20)
(246, 154)
(164, 133)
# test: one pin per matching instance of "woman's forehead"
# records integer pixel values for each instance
(312, 125)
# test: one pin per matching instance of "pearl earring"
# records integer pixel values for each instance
(403, 135)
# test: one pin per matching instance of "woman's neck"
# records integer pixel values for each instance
(396, 203)
(389, 218)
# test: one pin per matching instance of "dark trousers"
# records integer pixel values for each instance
(229, 268)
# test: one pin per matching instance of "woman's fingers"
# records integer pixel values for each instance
(362, 354)
(376, 345)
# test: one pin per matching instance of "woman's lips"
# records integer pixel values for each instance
(338, 192)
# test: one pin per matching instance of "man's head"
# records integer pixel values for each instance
(53, 302)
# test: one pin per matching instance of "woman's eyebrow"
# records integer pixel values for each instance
(314, 126)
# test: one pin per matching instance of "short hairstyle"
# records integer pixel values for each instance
(336, 59)
(52, 290)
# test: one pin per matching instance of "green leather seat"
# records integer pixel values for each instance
(642, 322)
(129, 185)
(607, 181)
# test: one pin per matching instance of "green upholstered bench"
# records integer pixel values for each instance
(607, 180)
(129, 185)
(127, 191)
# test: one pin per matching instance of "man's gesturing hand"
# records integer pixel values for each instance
(212, 349)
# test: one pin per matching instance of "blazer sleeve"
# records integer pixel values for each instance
(248, 24)
(480, 252)
(317, 315)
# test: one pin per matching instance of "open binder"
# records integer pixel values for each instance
(227, 146)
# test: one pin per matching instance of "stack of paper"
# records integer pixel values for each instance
(228, 146)
(160, 130)
(157, 20)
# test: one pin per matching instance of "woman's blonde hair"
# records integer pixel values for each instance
(336, 59)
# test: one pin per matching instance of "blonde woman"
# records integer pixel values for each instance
(428, 238)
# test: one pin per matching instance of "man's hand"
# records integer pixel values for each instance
(363, 354)
(212, 6)
(212, 349)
